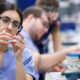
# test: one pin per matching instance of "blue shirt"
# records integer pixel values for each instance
(8, 69)
(30, 45)
(29, 42)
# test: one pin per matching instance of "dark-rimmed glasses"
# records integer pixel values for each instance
(6, 21)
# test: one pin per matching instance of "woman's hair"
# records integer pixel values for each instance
(48, 3)
(4, 6)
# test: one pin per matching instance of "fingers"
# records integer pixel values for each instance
(18, 39)
(3, 42)
(8, 36)
(21, 36)
(21, 40)
(59, 69)
(63, 70)
(76, 48)
(5, 37)
(19, 45)
(3, 28)
(18, 53)
(18, 48)
(5, 33)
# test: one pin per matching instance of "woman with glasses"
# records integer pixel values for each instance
(15, 62)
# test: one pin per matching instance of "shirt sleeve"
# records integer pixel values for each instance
(28, 63)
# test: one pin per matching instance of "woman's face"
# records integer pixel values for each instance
(11, 20)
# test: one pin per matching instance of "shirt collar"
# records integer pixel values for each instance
(25, 34)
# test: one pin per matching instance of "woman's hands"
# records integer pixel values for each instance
(74, 49)
(18, 46)
(4, 37)
(7, 38)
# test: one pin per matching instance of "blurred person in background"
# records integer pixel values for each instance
(35, 25)
(51, 7)
(26, 3)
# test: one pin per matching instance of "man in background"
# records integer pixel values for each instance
(51, 7)
(35, 22)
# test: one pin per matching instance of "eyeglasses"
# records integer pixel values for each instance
(45, 24)
(50, 8)
(6, 21)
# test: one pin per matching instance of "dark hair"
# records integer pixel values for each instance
(36, 11)
(48, 3)
(4, 6)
